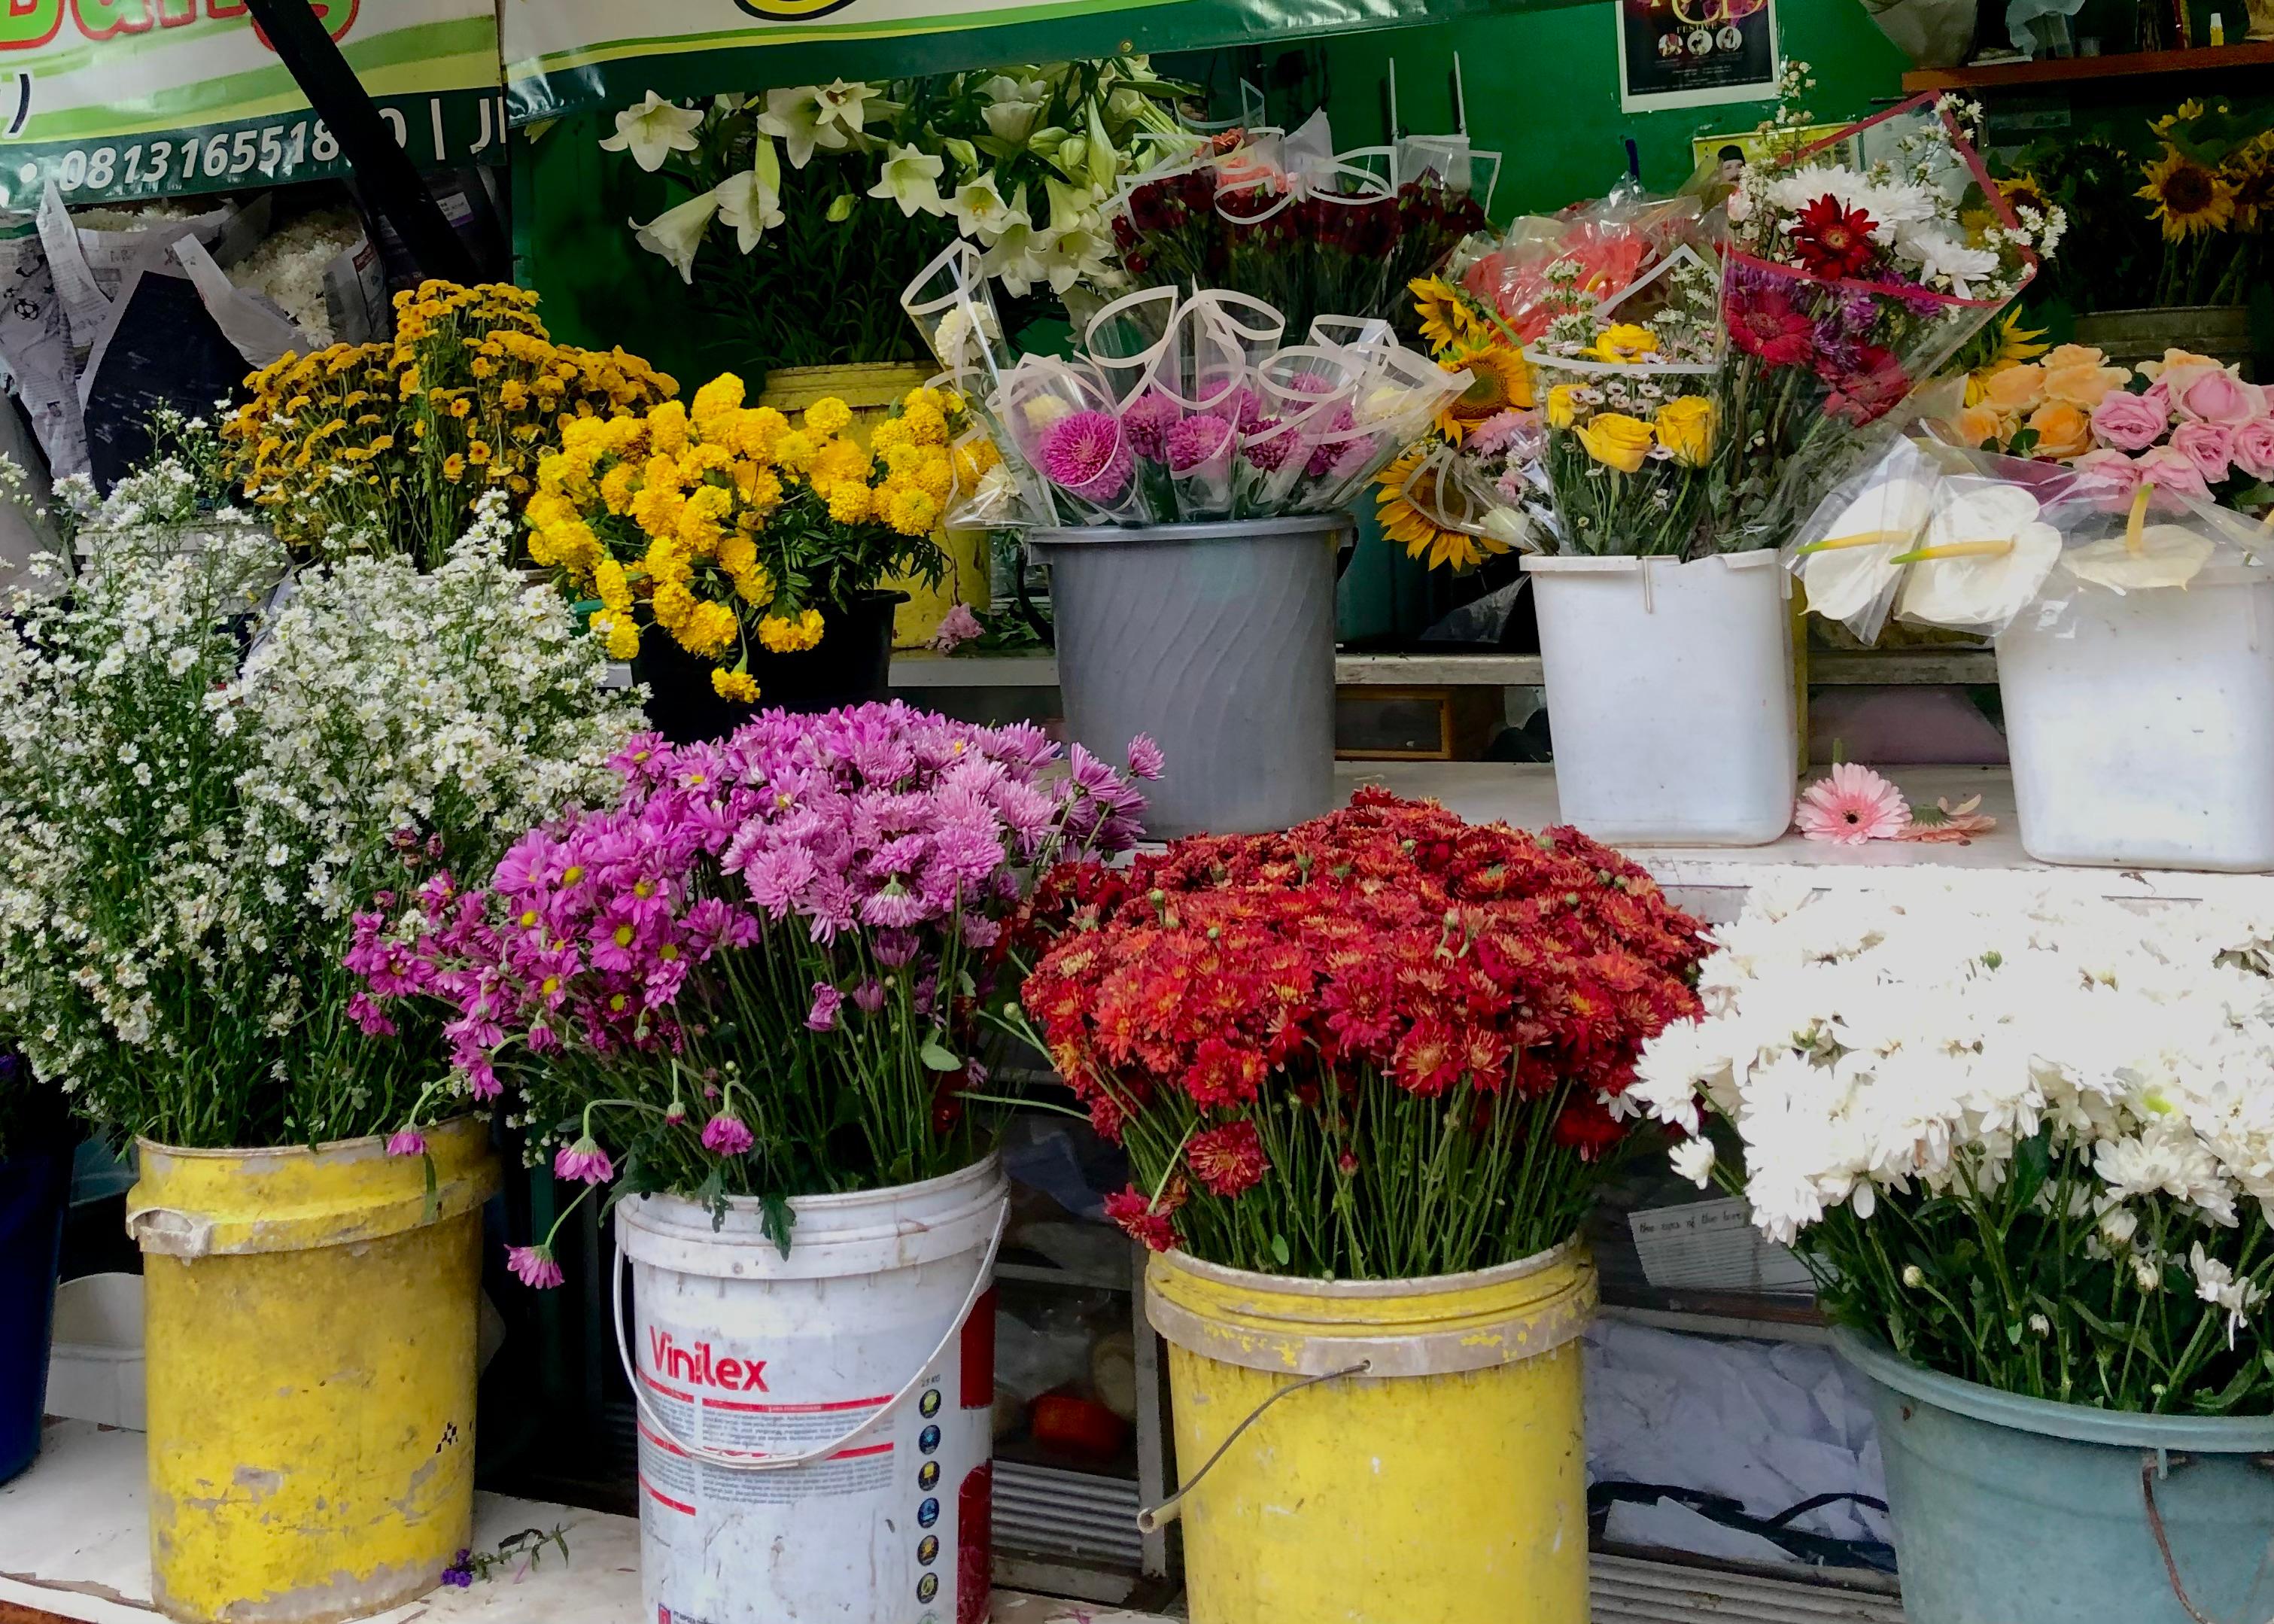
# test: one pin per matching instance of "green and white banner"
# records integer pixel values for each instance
(563, 56)
(123, 99)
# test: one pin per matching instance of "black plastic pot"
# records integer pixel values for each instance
(34, 1190)
(852, 664)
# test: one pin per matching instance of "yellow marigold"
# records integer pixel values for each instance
(674, 606)
(626, 436)
(698, 460)
(586, 437)
(736, 685)
(620, 633)
(738, 554)
(841, 459)
(911, 512)
(549, 508)
(715, 399)
(850, 502)
(656, 510)
(785, 635)
(892, 433)
(927, 425)
(666, 565)
(924, 394)
(756, 432)
(616, 486)
(936, 477)
(660, 473)
(574, 547)
(611, 586)
(828, 416)
(709, 629)
(974, 461)
(666, 428)
(795, 451)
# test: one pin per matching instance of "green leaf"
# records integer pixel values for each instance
(1281, 1250)
(776, 1220)
(938, 1056)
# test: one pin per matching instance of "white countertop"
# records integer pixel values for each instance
(1524, 796)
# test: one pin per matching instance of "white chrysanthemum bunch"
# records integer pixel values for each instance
(2025, 1134)
(205, 778)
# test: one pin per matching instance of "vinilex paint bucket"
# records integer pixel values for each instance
(816, 1429)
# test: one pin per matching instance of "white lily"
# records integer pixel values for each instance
(1853, 563)
(1021, 255)
(676, 233)
(652, 131)
(1013, 105)
(1987, 553)
(796, 116)
(910, 177)
(982, 211)
(1081, 252)
(846, 105)
(2166, 555)
(751, 201)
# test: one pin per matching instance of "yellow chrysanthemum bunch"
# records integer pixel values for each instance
(384, 446)
(721, 523)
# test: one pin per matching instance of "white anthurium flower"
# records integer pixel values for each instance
(2166, 555)
(750, 203)
(652, 131)
(1853, 565)
(676, 233)
(846, 105)
(910, 177)
(1987, 553)
(982, 211)
(796, 117)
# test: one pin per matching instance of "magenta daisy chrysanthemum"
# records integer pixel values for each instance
(1084, 455)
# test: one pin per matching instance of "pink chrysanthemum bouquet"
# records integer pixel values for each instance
(762, 973)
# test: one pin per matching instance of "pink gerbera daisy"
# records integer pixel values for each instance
(1852, 805)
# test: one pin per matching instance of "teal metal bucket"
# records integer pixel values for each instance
(2012, 1510)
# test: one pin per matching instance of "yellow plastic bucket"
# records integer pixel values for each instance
(310, 1325)
(870, 387)
(1445, 1483)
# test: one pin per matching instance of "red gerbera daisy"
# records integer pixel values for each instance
(1763, 323)
(1832, 240)
(1871, 389)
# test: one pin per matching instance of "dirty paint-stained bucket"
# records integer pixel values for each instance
(2014, 1510)
(815, 1430)
(1445, 1485)
(310, 1330)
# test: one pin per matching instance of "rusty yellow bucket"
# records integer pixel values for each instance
(310, 1327)
(1378, 1452)
(872, 389)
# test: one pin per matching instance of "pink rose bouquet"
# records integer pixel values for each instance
(762, 973)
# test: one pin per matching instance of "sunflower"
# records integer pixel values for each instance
(2009, 344)
(2189, 198)
(1407, 492)
(2252, 174)
(2023, 191)
(1500, 380)
(1446, 318)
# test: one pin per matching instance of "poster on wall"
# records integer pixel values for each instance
(1695, 53)
(125, 99)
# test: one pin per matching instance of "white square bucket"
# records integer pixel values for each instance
(2141, 725)
(1670, 696)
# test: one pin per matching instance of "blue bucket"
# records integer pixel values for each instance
(2011, 1511)
(33, 1193)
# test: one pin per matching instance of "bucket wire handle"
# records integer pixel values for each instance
(744, 1461)
(2154, 1464)
(1152, 1519)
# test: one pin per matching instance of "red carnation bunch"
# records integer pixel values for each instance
(1378, 1045)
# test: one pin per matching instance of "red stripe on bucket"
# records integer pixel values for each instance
(799, 1409)
(666, 1499)
(684, 1398)
(664, 1444)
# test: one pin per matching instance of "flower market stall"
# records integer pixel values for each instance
(1143, 823)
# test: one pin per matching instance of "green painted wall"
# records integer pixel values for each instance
(1542, 89)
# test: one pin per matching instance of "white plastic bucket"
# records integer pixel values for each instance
(815, 1430)
(95, 1368)
(2140, 726)
(1670, 700)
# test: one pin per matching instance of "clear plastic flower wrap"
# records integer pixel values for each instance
(1179, 409)
(1844, 553)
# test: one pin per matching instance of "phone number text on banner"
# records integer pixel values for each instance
(120, 99)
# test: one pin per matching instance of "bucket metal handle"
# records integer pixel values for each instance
(1152, 1519)
(734, 1461)
(2156, 1463)
(169, 1231)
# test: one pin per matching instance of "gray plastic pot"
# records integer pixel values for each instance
(2011, 1511)
(1217, 639)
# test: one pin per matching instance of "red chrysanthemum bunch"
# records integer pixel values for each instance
(1379, 1044)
